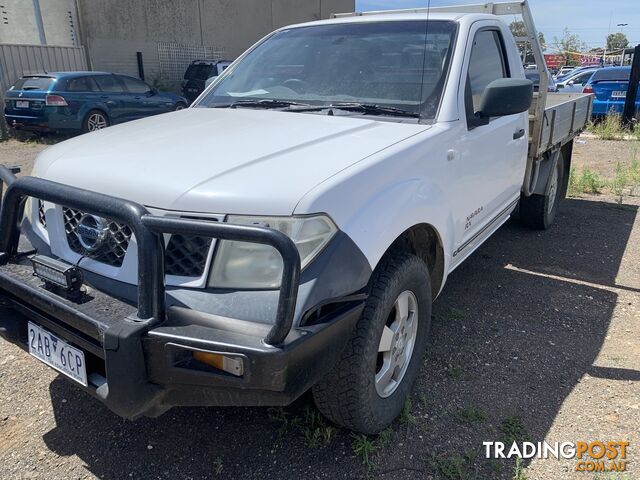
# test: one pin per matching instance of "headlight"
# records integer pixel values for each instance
(251, 265)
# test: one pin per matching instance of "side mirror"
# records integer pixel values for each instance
(152, 91)
(506, 96)
(571, 82)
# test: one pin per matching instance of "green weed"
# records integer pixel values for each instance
(514, 430)
(471, 414)
(519, 472)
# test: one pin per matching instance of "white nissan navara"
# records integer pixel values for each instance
(291, 229)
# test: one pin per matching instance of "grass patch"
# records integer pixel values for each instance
(313, 426)
(455, 467)
(519, 472)
(406, 415)
(217, 466)
(367, 447)
(364, 447)
(514, 430)
(454, 314)
(609, 128)
(471, 414)
(455, 372)
(619, 182)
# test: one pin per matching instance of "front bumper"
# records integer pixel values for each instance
(140, 358)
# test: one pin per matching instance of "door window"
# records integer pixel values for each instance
(133, 85)
(109, 83)
(80, 84)
(486, 64)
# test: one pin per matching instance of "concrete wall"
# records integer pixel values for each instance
(114, 30)
(18, 23)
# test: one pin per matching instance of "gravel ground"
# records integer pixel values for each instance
(534, 337)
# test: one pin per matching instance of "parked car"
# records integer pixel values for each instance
(199, 74)
(574, 71)
(610, 85)
(346, 169)
(575, 83)
(534, 76)
(83, 101)
(563, 71)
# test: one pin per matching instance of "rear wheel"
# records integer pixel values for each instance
(367, 388)
(539, 211)
(95, 120)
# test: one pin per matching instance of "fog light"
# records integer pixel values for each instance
(57, 273)
(229, 364)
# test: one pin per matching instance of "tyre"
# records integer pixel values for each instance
(367, 388)
(539, 211)
(180, 106)
(95, 120)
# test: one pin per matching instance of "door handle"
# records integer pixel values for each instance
(519, 134)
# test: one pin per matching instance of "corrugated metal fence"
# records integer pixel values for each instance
(18, 60)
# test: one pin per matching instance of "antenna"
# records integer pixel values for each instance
(424, 54)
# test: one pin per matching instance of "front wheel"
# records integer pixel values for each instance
(539, 211)
(180, 106)
(367, 388)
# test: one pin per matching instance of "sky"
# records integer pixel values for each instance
(591, 20)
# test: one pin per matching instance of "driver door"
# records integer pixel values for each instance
(493, 153)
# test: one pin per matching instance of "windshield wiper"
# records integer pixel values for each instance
(373, 109)
(263, 103)
(366, 108)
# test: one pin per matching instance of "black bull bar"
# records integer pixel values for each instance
(148, 230)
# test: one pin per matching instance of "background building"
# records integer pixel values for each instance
(171, 33)
(39, 22)
(168, 33)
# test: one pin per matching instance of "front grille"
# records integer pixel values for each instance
(41, 216)
(112, 253)
(186, 256)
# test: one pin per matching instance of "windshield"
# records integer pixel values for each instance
(401, 65)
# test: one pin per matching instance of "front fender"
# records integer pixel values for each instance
(392, 211)
(387, 213)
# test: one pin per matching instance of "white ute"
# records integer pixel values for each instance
(290, 230)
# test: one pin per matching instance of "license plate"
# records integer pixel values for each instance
(619, 94)
(22, 104)
(57, 353)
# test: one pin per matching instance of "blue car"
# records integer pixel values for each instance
(610, 86)
(83, 101)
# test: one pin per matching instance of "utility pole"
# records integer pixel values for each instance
(632, 91)
(39, 23)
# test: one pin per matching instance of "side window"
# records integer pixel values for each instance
(582, 79)
(108, 83)
(486, 64)
(80, 84)
(133, 85)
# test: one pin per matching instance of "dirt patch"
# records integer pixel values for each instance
(20, 154)
(602, 156)
(534, 337)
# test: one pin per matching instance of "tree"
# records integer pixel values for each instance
(518, 29)
(617, 41)
(569, 43)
